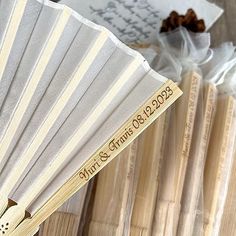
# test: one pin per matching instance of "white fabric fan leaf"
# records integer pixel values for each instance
(11, 47)
(56, 89)
(55, 111)
(41, 60)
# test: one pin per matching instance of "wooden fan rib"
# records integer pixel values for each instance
(187, 135)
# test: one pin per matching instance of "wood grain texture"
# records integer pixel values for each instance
(60, 224)
(218, 164)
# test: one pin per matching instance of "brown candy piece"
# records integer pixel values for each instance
(189, 17)
(189, 21)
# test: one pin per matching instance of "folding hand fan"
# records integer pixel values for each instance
(72, 97)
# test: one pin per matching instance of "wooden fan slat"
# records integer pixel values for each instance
(198, 151)
(176, 157)
(218, 164)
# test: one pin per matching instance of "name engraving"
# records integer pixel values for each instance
(117, 143)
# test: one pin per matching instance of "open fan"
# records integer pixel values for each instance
(72, 97)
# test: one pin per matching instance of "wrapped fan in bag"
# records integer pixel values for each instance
(220, 156)
(72, 87)
(190, 50)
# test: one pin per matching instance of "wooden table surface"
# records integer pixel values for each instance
(225, 28)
